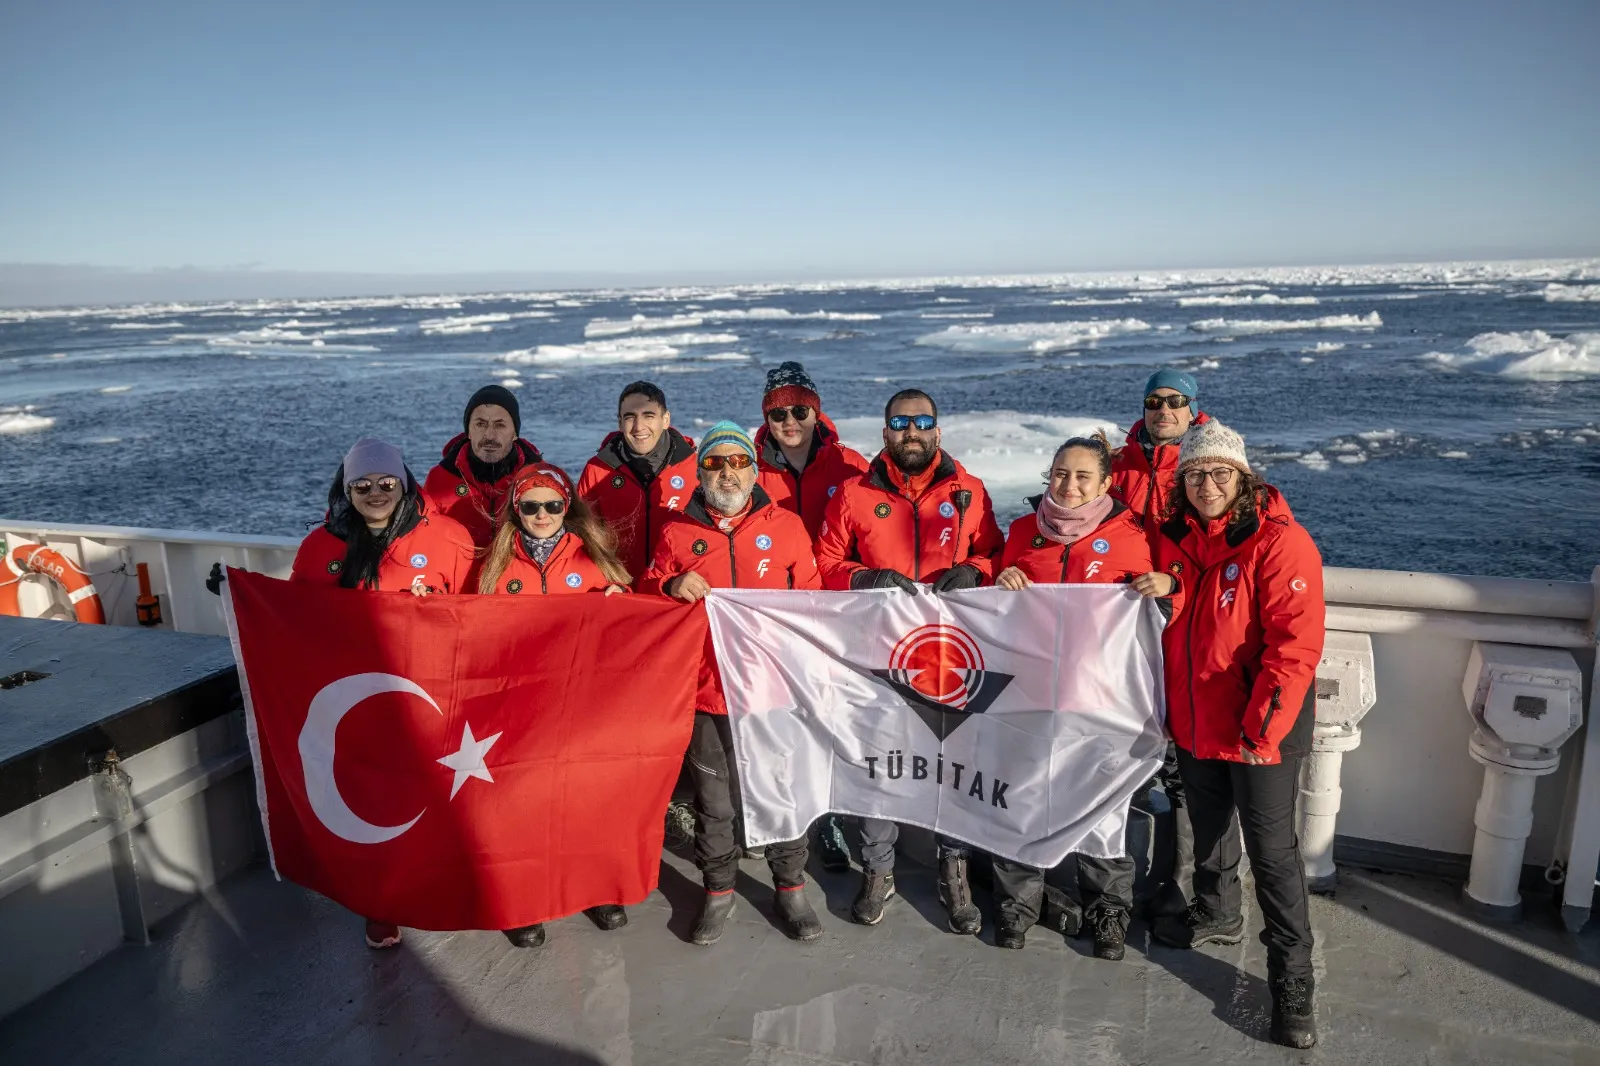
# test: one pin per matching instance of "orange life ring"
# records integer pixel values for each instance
(37, 559)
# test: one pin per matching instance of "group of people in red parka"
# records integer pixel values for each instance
(1176, 513)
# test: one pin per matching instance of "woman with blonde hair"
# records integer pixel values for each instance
(548, 542)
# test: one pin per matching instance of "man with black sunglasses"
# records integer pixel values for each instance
(730, 535)
(915, 517)
(474, 473)
(802, 460)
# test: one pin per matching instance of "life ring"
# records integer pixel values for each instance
(37, 559)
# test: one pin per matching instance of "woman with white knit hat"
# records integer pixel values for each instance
(1241, 656)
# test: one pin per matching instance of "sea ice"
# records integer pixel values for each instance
(1531, 353)
(1029, 337)
(1235, 327)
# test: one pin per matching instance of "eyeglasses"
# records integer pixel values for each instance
(1155, 403)
(383, 484)
(901, 423)
(532, 507)
(737, 461)
(1221, 475)
(779, 415)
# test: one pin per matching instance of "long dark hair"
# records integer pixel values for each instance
(364, 550)
(1252, 497)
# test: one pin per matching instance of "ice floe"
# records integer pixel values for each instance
(1266, 299)
(1037, 338)
(14, 420)
(1567, 294)
(1241, 327)
(1529, 353)
(621, 349)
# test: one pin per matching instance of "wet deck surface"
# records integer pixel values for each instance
(262, 972)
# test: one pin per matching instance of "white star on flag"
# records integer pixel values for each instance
(468, 761)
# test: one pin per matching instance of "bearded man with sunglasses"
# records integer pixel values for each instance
(1145, 470)
(731, 535)
(474, 473)
(916, 516)
(801, 458)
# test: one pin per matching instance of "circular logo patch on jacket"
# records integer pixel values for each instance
(462, 490)
(574, 580)
(763, 542)
(618, 481)
(947, 510)
(1176, 568)
(1232, 571)
(335, 566)
(882, 510)
(831, 490)
(419, 560)
(698, 547)
(1101, 545)
(514, 586)
(1038, 540)
(676, 481)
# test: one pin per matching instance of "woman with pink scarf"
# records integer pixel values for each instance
(1076, 534)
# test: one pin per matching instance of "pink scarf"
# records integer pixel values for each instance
(1064, 525)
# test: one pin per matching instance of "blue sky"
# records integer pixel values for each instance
(794, 140)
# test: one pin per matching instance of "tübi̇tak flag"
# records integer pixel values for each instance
(1020, 722)
(464, 762)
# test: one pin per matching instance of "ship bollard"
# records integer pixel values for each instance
(1525, 702)
(1345, 691)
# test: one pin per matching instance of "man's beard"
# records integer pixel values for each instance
(912, 461)
(728, 503)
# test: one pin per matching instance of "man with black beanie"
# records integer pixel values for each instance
(475, 471)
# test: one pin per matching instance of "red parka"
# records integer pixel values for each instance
(637, 511)
(1145, 483)
(767, 549)
(1242, 651)
(437, 552)
(455, 492)
(1115, 553)
(566, 570)
(808, 492)
(871, 525)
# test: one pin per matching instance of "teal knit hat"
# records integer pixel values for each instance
(726, 433)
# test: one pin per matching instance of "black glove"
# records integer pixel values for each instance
(958, 577)
(882, 579)
(215, 579)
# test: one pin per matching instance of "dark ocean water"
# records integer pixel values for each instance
(1418, 418)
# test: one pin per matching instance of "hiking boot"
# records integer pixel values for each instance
(835, 853)
(1199, 926)
(382, 935)
(714, 911)
(956, 896)
(1011, 936)
(1293, 1022)
(1110, 927)
(608, 916)
(799, 919)
(877, 889)
(1172, 898)
(527, 936)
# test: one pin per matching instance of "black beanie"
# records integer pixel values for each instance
(498, 395)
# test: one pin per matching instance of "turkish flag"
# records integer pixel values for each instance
(464, 762)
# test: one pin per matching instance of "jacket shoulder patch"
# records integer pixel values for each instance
(699, 547)
(462, 490)
(514, 586)
(1038, 540)
(335, 566)
(882, 510)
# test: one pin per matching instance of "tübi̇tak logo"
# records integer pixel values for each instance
(938, 669)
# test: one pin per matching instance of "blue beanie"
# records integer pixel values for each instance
(726, 432)
(1178, 380)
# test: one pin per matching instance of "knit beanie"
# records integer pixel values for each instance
(1178, 380)
(498, 395)
(370, 457)
(726, 433)
(541, 476)
(1212, 442)
(788, 385)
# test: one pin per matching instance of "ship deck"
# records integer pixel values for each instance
(260, 971)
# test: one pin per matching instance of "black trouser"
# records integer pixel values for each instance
(1104, 884)
(1171, 780)
(716, 846)
(1264, 797)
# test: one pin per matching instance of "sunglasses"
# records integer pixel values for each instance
(901, 423)
(533, 507)
(383, 484)
(737, 461)
(1155, 403)
(1221, 475)
(779, 415)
